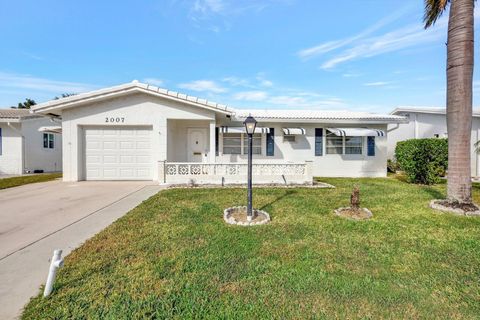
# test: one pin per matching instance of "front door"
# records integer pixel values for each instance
(197, 144)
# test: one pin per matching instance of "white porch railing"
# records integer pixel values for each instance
(234, 173)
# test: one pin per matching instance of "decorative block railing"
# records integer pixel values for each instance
(234, 173)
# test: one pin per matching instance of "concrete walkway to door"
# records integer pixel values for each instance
(35, 219)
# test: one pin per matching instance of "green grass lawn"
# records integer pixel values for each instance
(21, 180)
(174, 257)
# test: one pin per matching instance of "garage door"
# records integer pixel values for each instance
(118, 153)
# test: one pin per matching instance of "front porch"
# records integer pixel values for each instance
(235, 173)
(202, 152)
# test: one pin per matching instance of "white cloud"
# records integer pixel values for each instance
(218, 15)
(392, 41)
(203, 85)
(20, 81)
(364, 45)
(154, 81)
(251, 95)
(377, 84)
(351, 75)
(262, 81)
(336, 44)
(237, 82)
(205, 6)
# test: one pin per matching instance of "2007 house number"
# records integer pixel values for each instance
(114, 119)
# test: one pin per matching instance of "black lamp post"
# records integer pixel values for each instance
(250, 124)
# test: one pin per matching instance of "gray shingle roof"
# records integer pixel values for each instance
(16, 114)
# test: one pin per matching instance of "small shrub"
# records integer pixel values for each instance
(423, 160)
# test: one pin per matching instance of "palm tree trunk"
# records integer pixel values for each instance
(459, 99)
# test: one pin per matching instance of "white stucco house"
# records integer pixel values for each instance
(136, 131)
(28, 143)
(426, 122)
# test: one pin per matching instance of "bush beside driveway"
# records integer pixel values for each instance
(174, 257)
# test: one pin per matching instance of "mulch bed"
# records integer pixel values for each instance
(466, 209)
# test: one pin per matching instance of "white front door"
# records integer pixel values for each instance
(197, 144)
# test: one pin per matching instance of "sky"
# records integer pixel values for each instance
(369, 55)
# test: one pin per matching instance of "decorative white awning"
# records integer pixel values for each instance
(357, 132)
(226, 129)
(294, 131)
(54, 129)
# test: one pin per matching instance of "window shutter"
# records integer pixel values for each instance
(318, 141)
(271, 143)
(371, 146)
(216, 140)
(0, 141)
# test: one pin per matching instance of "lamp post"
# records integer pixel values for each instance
(250, 123)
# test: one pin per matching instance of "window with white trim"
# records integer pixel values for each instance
(237, 143)
(353, 145)
(343, 145)
(256, 143)
(334, 144)
(48, 141)
(232, 143)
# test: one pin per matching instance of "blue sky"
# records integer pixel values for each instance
(369, 55)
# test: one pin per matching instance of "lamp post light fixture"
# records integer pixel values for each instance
(250, 124)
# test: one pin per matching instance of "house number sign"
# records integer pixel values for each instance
(114, 119)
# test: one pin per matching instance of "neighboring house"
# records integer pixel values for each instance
(425, 122)
(137, 131)
(23, 148)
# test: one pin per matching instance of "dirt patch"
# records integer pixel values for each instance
(349, 213)
(467, 209)
(238, 215)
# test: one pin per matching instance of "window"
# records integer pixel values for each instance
(370, 146)
(344, 145)
(0, 141)
(232, 143)
(256, 144)
(334, 144)
(48, 141)
(353, 145)
(288, 138)
(271, 142)
(237, 143)
(318, 142)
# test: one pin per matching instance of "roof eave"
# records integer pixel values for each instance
(323, 120)
(75, 101)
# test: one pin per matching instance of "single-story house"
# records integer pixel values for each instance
(426, 122)
(137, 131)
(29, 142)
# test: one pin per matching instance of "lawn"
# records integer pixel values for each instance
(21, 180)
(174, 257)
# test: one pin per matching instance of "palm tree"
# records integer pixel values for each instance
(459, 91)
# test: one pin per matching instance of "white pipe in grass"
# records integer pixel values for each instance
(56, 263)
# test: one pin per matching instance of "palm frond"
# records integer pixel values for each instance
(433, 11)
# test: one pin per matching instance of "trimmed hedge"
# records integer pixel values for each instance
(423, 160)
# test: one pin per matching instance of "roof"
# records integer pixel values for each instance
(54, 106)
(430, 110)
(132, 87)
(318, 115)
(16, 115)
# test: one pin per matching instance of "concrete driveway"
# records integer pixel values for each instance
(37, 218)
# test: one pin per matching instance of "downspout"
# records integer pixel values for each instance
(23, 145)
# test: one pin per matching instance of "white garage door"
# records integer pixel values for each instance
(114, 153)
